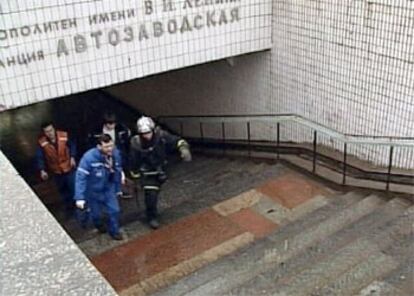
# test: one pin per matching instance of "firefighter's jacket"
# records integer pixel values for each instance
(151, 156)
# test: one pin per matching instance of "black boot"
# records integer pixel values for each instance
(154, 224)
(117, 236)
(101, 228)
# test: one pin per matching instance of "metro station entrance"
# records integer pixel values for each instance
(76, 114)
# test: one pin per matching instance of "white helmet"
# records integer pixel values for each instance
(145, 125)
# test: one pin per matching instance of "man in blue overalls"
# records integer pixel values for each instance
(98, 182)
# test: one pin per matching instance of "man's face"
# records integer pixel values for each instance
(50, 132)
(147, 136)
(110, 125)
(106, 148)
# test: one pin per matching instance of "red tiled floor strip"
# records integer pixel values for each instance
(291, 190)
(253, 222)
(144, 257)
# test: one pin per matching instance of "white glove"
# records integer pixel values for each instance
(185, 154)
(123, 178)
(44, 175)
(80, 204)
(72, 162)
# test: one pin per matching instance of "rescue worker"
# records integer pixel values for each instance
(55, 157)
(147, 160)
(120, 134)
(98, 182)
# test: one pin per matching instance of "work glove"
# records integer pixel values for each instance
(80, 204)
(185, 154)
(44, 175)
(72, 162)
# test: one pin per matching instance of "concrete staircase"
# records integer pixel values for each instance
(353, 245)
(239, 227)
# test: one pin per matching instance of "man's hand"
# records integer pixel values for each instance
(44, 175)
(134, 175)
(185, 154)
(80, 204)
(72, 162)
(123, 178)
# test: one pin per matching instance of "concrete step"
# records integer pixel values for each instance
(372, 268)
(283, 249)
(265, 282)
(251, 261)
(335, 206)
(282, 215)
(402, 277)
(330, 269)
(377, 288)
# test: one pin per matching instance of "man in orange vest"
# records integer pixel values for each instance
(56, 155)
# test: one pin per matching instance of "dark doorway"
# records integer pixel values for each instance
(77, 114)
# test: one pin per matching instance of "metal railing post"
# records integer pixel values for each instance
(181, 129)
(345, 164)
(223, 136)
(249, 152)
(389, 168)
(201, 132)
(278, 140)
(315, 136)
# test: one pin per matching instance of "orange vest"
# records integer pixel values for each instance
(58, 161)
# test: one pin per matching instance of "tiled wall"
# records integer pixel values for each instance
(348, 65)
(236, 86)
(345, 64)
(51, 48)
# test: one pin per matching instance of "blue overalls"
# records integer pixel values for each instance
(98, 186)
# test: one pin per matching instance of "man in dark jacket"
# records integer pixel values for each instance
(147, 160)
(55, 155)
(119, 133)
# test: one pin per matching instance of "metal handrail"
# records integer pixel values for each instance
(347, 139)
(277, 118)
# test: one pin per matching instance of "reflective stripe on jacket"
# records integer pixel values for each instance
(57, 156)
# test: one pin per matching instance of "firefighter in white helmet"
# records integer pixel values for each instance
(148, 152)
